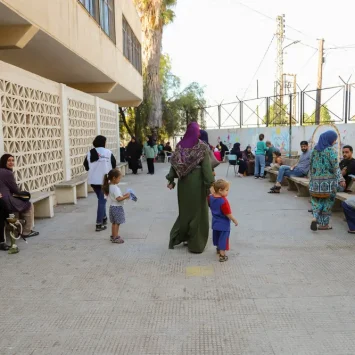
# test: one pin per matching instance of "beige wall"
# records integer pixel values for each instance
(70, 24)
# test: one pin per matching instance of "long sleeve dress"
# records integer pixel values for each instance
(192, 224)
(325, 176)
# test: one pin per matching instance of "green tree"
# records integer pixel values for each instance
(154, 15)
(277, 115)
(325, 117)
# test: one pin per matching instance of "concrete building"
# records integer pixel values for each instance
(65, 66)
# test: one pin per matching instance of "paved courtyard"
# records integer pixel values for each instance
(284, 290)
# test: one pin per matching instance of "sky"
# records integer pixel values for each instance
(220, 44)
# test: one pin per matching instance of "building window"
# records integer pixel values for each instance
(103, 12)
(132, 49)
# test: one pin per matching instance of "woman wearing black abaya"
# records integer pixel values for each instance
(133, 152)
(242, 164)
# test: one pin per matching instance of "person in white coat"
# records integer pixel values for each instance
(98, 162)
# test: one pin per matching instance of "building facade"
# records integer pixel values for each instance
(65, 67)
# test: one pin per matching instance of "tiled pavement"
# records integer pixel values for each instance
(284, 290)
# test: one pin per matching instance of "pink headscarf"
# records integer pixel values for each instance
(191, 136)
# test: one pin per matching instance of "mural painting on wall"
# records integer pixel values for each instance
(280, 138)
(228, 139)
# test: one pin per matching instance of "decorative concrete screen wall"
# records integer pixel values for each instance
(49, 127)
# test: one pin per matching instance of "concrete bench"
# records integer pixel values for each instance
(43, 203)
(67, 192)
(273, 175)
(300, 185)
(123, 168)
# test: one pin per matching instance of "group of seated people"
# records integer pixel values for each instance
(246, 159)
(13, 201)
(164, 149)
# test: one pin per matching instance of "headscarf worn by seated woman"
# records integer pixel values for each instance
(189, 152)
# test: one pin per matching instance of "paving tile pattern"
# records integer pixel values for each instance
(284, 290)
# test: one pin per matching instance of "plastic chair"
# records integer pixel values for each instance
(167, 157)
(232, 161)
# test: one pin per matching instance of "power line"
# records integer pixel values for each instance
(273, 19)
(308, 61)
(303, 44)
(257, 70)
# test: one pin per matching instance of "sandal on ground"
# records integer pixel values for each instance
(100, 228)
(325, 228)
(32, 234)
(223, 258)
(351, 232)
(314, 226)
(275, 190)
(4, 247)
(117, 240)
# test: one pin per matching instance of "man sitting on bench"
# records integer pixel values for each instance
(299, 170)
(347, 166)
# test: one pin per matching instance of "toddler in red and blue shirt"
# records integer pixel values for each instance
(221, 217)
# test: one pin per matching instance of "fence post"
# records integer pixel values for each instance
(267, 111)
(290, 128)
(65, 132)
(240, 114)
(346, 102)
(349, 115)
(219, 117)
(301, 108)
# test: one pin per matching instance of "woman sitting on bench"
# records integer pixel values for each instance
(8, 188)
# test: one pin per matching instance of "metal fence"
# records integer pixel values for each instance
(337, 105)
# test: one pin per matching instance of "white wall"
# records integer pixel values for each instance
(280, 136)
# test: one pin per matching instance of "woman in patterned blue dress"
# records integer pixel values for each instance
(325, 178)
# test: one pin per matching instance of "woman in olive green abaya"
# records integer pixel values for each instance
(191, 165)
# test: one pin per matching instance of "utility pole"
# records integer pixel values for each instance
(257, 107)
(319, 81)
(291, 88)
(280, 34)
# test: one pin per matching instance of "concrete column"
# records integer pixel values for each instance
(118, 133)
(65, 132)
(97, 112)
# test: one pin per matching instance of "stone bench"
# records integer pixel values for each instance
(43, 203)
(300, 185)
(67, 192)
(123, 168)
(273, 176)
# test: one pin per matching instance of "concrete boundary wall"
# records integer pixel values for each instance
(49, 127)
(279, 136)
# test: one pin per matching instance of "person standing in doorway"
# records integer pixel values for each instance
(98, 162)
(261, 149)
(150, 150)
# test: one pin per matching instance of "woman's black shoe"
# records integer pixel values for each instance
(4, 247)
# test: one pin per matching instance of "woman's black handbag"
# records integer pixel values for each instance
(139, 164)
(23, 196)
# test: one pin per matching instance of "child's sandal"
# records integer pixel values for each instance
(223, 258)
(118, 240)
